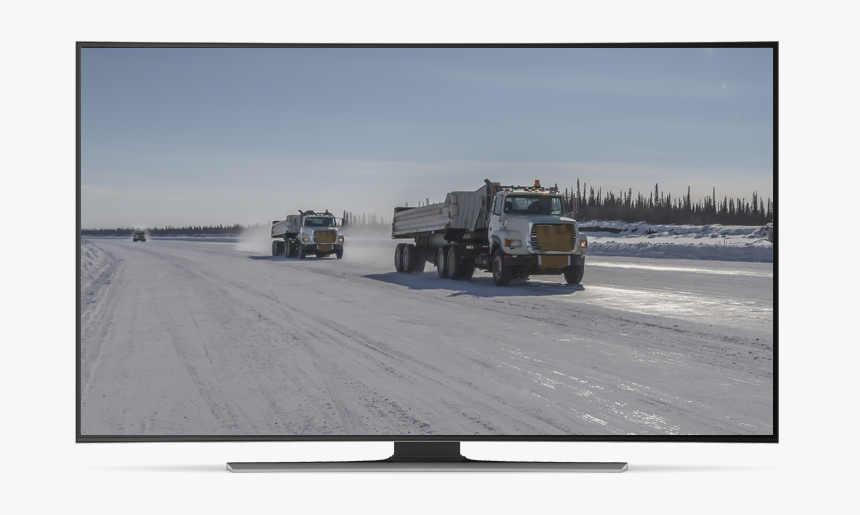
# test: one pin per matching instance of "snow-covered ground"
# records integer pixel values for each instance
(709, 242)
(203, 337)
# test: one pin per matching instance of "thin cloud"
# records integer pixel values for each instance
(626, 87)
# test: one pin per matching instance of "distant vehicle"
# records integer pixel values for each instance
(139, 236)
(307, 233)
(769, 228)
(510, 231)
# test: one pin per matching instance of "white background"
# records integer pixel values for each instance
(44, 470)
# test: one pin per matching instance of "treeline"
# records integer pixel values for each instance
(371, 221)
(170, 230)
(659, 207)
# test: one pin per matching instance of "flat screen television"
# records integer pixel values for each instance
(427, 244)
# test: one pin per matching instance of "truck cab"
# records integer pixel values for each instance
(530, 234)
(318, 234)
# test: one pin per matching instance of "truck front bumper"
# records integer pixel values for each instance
(322, 247)
(532, 260)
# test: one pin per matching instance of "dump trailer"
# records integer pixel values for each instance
(307, 233)
(509, 231)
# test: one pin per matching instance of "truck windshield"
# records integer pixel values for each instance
(320, 222)
(533, 204)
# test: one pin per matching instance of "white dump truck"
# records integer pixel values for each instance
(307, 233)
(510, 231)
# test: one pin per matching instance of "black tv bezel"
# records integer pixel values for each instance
(774, 438)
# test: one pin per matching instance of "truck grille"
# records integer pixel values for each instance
(553, 238)
(324, 236)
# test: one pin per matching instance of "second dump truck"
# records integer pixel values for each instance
(307, 233)
(510, 231)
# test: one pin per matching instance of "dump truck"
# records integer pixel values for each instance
(139, 236)
(509, 231)
(307, 233)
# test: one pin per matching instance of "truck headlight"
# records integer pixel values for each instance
(340, 239)
(306, 239)
(584, 244)
(513, 243)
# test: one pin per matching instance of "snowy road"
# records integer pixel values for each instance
(197, 338)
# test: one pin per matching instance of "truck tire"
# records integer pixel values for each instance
(501, 271)
(339, 253)
(288, 249)
(455, 268)
(302, 254)
(398, 257)
(410, 258)
(442, 262)
(274, 248)
(573, 274)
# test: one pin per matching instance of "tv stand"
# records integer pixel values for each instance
(427, 457)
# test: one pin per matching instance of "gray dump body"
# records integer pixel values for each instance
(464, 210)
(289, 226)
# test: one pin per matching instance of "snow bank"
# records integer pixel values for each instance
(94, 262)
(714, 242)
(682, 251)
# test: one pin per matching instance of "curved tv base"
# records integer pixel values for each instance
(427, 457)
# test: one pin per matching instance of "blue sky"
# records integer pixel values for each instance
(208, 136)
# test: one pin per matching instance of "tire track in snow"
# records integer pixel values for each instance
(351, 423)
(192, 352)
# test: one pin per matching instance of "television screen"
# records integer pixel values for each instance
(426, 243)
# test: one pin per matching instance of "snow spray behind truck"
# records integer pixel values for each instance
(510, 231)
(307, 233)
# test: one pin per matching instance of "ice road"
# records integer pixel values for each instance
(210, 338)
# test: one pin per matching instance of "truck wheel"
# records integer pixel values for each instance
(398, 257)
(442, 262)
(274, 248)
(339, 253)
(455, 268)
(501, 271)
(573, 274)
(302, 254)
